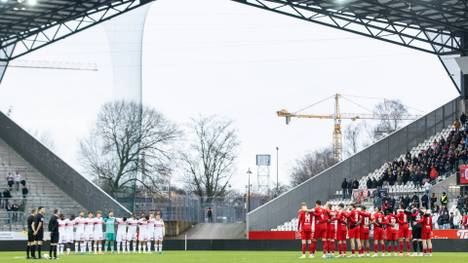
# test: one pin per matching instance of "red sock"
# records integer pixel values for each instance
(332, 246)
(425, 250)
(304, 248)
(361, 250)
(408, 246)
(430, 250)
(382, 248)
(395, 248)
(352, 251)
(313, 246)
(344, 248)
(325, 247)
(389, 249)
(401, 246)
(376, 248)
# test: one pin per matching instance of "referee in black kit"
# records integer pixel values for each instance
(54, 234)
(29, 249)
(38, 232)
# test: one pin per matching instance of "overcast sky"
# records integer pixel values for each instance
(220, 57)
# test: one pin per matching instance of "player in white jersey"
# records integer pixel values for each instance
(142, 233)
(69, 225)
(121, 237)
(79, 222)
(132, 223)
(62, 225)
(89, 231)
(150, 226)
(159, 233)
(98, 235)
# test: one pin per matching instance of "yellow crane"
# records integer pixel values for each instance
(337, 117)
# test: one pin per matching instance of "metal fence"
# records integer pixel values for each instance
(191, 208)
(57, 171)
(324, 185)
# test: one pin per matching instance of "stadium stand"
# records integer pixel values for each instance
(369, 163)
(443, 152)
(50, 181)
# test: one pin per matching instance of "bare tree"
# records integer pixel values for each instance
(44, 137)
(280, 190)
(355, 137)
(312, 164)
(392, 112)
(209, 159)
(131, 145)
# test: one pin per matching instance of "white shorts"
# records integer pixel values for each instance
(98, 236)
(143, 236)
(79, 236)
(69, 237)
(121, 236)
(89, 236)
(150, 236)
(63, 238)
(158, 237)
(131, 236)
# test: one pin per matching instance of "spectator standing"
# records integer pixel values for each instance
(425, 201)
(6, 197)
(444, 199)
(350, 189)
(355, 184)
(451, 221)
(344, 187)
(463, 119)
(209, 214)
(18, 180)
(25, 192)
(433, 201)
(456, 125)
(1, 201)
(444, 218)
(10, 181)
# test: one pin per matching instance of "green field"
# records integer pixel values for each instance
(232, 257)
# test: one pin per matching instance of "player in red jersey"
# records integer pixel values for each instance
(464, 222)
(426, 234)
(404, 231)
(342, 231)
(332, 229)
(378, 221)
(354, 229)
(391, 233)
(321, 220)
(365, 232)
(305, 226)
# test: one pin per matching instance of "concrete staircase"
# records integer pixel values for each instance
(42, 192)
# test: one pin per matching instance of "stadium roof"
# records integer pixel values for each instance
(435, 26)
(26, 25)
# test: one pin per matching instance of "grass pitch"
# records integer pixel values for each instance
(232, 257)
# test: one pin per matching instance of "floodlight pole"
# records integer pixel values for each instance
(464, 75)
(248, 190)
(277, 171)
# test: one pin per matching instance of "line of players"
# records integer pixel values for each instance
(93, 233)
(331, 224)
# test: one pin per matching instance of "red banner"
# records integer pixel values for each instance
(291, 235)
(464, 174)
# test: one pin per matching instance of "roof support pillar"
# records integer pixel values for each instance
(464, 75)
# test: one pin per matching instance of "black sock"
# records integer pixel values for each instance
(39, 250)
(415, 246)
(420, 246)
(51, 248)
(28, 248)
(55, 251)
(33, 251)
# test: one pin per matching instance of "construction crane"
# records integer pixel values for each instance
(337, 117)
(53, 65)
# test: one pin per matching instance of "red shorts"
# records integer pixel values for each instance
(341, 233)
(426, 233)
(404, 232)
(355, 232)
(321, 231)
(306, 235)
(378, 233)
(391, 234)
(331, 232)
(364, 233)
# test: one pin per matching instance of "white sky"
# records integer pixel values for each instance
(220, 57)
